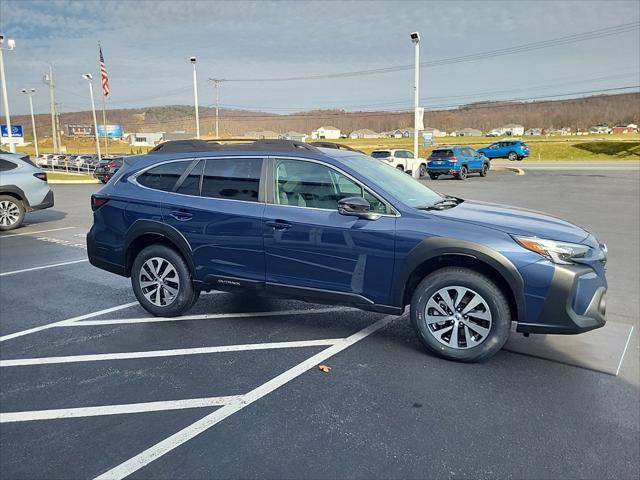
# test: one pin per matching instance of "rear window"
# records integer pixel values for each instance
(232, 178)
(6, 165)
(381, 154)
(441, 154)
(163, 177)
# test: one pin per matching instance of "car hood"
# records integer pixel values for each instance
(515, 221)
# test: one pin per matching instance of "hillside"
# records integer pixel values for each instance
(579, 113)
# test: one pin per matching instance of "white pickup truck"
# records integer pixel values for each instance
(403, 160)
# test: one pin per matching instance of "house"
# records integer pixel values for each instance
(146, 139)
(364, 133)
(631, 128)
(513, 130)
(295, 136)
(533, 131)
(329, 132)
(262, 135)
(600, 128)
(468, 132)
(435, 132)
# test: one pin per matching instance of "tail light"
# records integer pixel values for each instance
(97, 202)
(452, 159)
(41, 175)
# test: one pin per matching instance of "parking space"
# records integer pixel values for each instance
(91, 385)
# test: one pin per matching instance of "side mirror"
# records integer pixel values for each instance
(357, 207)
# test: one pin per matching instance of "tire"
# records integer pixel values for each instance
(464, 172)
(11, 213)
(489, 335)
(400, 167)
(513, 156)
(163, 303)
(485, 170)
(434, 176)
(423, 170)
(520, 158)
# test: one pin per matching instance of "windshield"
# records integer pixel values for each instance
(381, 154)
(397, 183)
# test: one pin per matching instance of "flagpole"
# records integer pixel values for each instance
(104, 108)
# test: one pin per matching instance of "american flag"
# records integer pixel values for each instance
(104, 78)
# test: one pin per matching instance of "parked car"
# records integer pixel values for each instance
(281, 218)
(402, 159)
(459, 161)
(23, 188)
(107, 168)
(511, 149)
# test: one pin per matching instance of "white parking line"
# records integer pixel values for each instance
(626, 345)
(37, 231)
(43, 267)
(23, 362)
(206, 316)
(168, 444)
(122, 409)
(66, 322)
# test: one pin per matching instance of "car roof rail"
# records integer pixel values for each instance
(336, 146)
(239, 144)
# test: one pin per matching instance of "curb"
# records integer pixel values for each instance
(72, 182)
(518, 171)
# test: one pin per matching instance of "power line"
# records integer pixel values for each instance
(579, 37)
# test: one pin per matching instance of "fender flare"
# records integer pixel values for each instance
(153, 227)
(16, 191)
(434, 247)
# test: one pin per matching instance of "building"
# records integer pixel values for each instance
(512, 130)
(145, 139)
(262, 135)
(533, 131)
(295, 136)
(74, 130)
(329, 133)
(363, 133)
(600, 128)
(468, 132)
(435, 132)
(631, 128)
(167, 137)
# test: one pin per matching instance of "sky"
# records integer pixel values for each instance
(147, 46)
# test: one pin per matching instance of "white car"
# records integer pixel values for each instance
(403, 160)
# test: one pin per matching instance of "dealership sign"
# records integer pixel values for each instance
(16, 131)
(113, 131)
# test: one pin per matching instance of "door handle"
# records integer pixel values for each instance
(278, 224)
(181, 216)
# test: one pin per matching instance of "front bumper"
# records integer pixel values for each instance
(575, 302)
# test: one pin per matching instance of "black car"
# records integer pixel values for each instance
(107, 168)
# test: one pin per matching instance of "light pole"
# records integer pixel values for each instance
(30, 93)
(216, 83)
(11, 44)
(195, 95)
(415, 38)
(88, 77)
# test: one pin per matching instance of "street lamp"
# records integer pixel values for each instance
(415, 39)
(195, 95)
(30, 92)
(11, 44)
(88, 77)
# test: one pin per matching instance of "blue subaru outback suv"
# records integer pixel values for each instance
(282, 218)
(459, 161)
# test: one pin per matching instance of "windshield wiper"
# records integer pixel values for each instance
(443, 203)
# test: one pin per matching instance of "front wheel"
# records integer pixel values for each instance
(513, 156)
(162, 282)
(485, 170)
(463, 173)
(460, 314)
(11, 213)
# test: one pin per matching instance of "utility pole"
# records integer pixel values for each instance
(195, 95)
(48, 80)
(216, 83)
(11, 44)
(58, 128)
(415, 38)
(30, 93)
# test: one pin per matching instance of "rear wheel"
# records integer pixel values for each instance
(485, 170)
(434, 176)
(423, 170)
(460, 314)
(463, 173)
(11, 213)
(162, 282)
(400, 167)
(513, 156)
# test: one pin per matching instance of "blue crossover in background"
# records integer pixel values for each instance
(282, 218)
(458, 161)
(511, 149)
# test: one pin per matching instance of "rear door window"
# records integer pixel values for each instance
(191, 183)
(232, 178)
(6, 165)
(163, 177)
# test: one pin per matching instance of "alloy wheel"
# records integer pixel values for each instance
(9, 213)
(159, 281)
(458, 317)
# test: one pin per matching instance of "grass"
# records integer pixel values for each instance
(68, 176)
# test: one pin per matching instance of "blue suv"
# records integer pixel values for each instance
(458, 161)
(511, 149)
(281, 218)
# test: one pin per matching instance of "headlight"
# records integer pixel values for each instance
(562, 253)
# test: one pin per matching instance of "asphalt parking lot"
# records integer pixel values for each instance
(91, 386)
